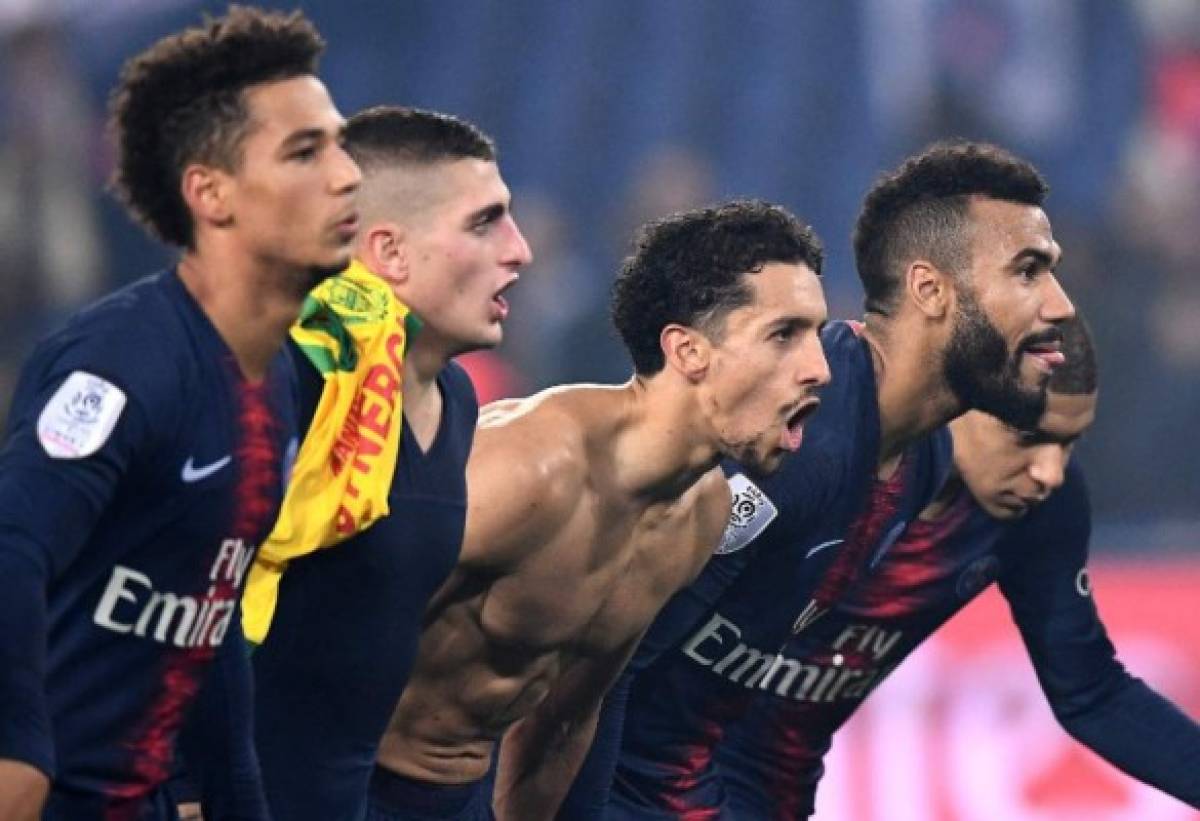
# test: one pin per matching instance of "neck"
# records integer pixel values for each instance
(913, 396)
(664, 449)
(422, 364)
(250, 309)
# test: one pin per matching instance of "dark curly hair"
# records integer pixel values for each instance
(920, 211)
(388, 135)
(181, 101)
(690, 268)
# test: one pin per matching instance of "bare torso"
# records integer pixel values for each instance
(597, 564)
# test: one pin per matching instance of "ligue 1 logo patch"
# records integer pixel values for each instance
(80, 416)
(752, 511)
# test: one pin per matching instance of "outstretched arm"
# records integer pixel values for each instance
(542, 753)
(1093, 696)
(590, 790)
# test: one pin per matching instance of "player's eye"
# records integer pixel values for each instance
(306, 154)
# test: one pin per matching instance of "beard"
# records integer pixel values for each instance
(984, 375)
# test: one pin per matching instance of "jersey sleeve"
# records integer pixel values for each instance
(1092, 695)
(81, 415)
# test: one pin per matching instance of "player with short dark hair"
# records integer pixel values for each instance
(439, 236)
(589, 505)
(925, 207)
(800, 538)
(991, 522)
(691, 270)
(388, 136)
(143, 463)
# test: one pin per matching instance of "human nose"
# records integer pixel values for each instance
(1056, 305)
(517, 253)
(1048, 468)
(345, 175)
(813, 367)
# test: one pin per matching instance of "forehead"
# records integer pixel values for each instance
(281, 108)
(446, 190)
(1003, 229)
(786, 287)
(469, 182)
(1067, 416)
(781, 290)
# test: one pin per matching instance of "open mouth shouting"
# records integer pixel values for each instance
(793, 429)
(499, 303)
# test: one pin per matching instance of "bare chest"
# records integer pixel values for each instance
(599, 582)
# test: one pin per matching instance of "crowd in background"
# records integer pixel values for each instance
(612, 112)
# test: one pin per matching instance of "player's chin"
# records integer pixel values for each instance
(488, 336)
(335, 256)
(1006, 511)
(764, 463)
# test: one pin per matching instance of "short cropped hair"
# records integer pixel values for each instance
(395, 135)
(920, 211)
(181, 101)
(691, 268)
(1078, 375)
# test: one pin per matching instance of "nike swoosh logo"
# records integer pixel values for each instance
(191, 473)
(822, 546)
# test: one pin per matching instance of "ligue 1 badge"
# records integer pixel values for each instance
(80, 416)
(750, 514)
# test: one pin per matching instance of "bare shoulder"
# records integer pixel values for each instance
(710, 514)
(713, 501)
(556, 428)
(529, 469)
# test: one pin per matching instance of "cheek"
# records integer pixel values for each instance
(745, 404)
(284, 211)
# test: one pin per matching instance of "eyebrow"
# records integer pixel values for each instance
(795, 322)
(489, 213)
(306, 134)
(1045, 258)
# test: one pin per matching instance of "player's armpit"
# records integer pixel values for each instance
(23, 790)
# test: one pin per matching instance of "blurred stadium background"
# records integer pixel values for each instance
(609, 112)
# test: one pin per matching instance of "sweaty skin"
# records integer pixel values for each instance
(573, 543)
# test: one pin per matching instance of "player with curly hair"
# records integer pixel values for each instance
(144, 460)
(588, 506)
(963, 310)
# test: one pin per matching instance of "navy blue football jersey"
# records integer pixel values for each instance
(139, 475)
(344, 636)
(772, 760)
(796, 542)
